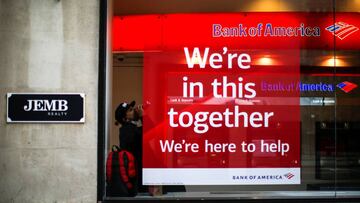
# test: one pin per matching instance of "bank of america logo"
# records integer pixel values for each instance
(289, 175)
(346, 86)
(341, 30)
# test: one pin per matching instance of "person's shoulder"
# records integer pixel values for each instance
(127, 125)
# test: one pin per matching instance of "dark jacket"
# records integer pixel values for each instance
(130, 137)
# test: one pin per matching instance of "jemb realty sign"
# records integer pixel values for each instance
(45, 108)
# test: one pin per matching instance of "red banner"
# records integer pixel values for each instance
(221, 93)
(207, 111)
(238, 30)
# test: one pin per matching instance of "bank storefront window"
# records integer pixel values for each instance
(235, 99)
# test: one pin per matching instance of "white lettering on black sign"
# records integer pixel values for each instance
(46, 105)
(40, 108)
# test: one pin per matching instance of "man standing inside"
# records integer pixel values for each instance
(130, 135)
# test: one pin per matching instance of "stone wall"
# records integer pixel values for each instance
(49, 46)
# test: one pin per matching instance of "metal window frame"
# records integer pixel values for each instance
(104, 112)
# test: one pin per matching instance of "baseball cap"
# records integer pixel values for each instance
(120, 111)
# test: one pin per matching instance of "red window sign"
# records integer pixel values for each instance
(245, 30)
(222, 92)
(209, 121)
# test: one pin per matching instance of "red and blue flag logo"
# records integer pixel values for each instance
(342, 30)
(289, 175)
(346, 86)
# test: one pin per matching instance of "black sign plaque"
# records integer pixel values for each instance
(45, 107)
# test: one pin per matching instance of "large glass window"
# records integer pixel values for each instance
(234, 99)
